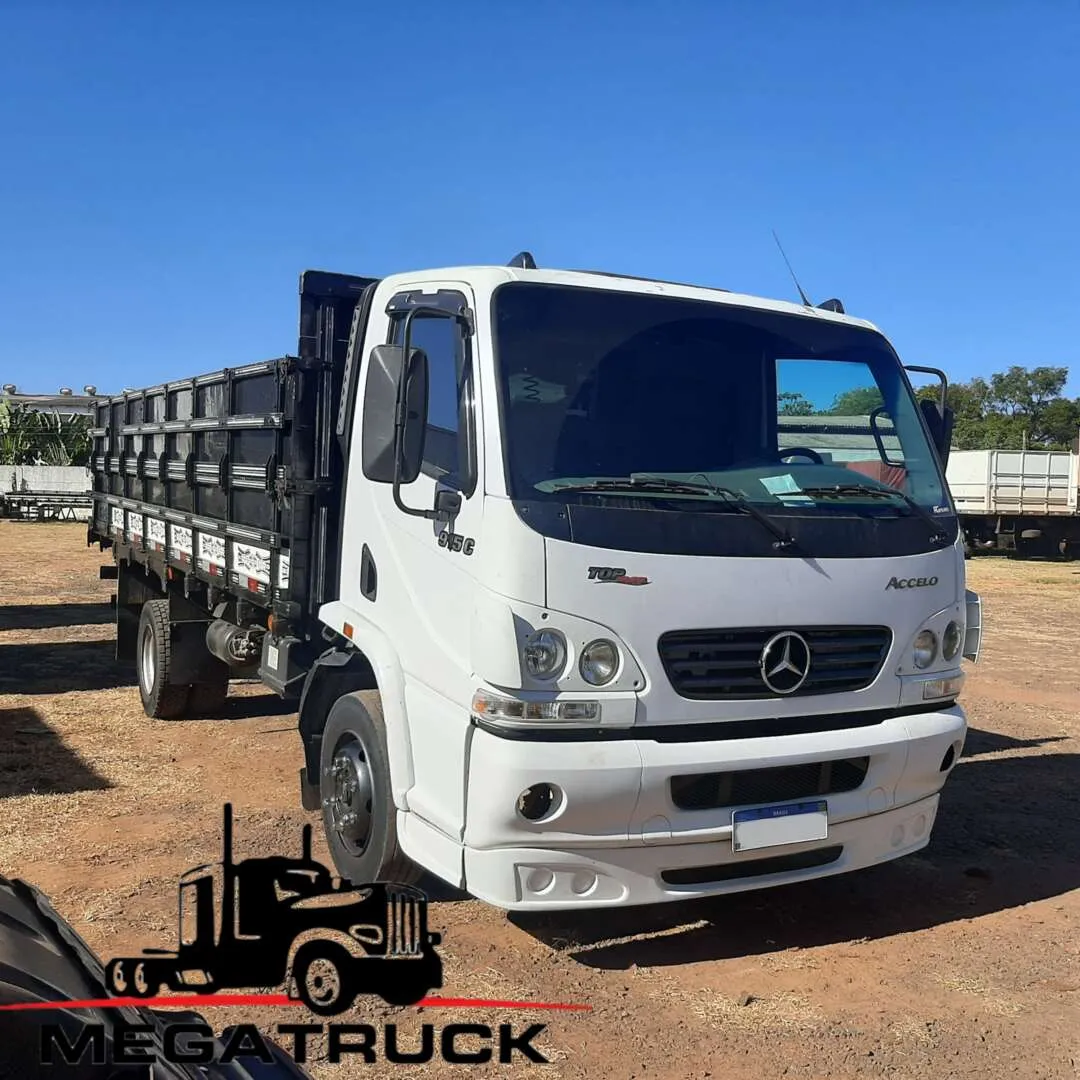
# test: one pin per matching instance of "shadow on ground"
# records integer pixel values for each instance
(48, 616)
(59, 667)
(1007, 834)
(35, 761)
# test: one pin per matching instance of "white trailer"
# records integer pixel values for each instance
(1022, 501)
(576, 614)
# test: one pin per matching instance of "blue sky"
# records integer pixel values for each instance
(168, 170)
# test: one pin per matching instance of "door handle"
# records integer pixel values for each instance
(369, 575)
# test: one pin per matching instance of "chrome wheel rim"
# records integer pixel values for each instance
(349, 802)
(148, 658)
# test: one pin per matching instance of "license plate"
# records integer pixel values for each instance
(773, 826)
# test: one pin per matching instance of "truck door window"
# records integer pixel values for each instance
(449, 454)
(838, 411)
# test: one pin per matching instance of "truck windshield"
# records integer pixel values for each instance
(613, 395)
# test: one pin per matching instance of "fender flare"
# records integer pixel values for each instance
(387, 677)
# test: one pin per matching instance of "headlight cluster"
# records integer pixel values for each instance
(545, 654)
(926, 645)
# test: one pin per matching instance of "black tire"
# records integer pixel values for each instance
(324, 978)
(208, 699)
(356, 726)
(153, 656)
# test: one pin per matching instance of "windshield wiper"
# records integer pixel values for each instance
(937, 535)
(687, 487)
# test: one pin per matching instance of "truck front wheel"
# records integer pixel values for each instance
(153, 658)
(359, 816)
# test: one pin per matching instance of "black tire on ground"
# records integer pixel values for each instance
(355, 739)
(208, 698)
(153, 655)
(323, 973)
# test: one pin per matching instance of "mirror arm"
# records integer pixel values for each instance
(941, 377)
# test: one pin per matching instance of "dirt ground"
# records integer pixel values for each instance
(962, 961)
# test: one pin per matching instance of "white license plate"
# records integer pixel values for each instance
(773, 826)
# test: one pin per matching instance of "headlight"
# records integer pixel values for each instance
(599, 662)
(544, 653)
(925, 651)
(952, 640)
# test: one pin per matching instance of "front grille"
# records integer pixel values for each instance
(747, 787)
(735, 871)
(710, 665)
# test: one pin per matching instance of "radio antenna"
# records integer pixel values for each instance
(802, 295)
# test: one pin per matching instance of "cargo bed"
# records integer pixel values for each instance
(232, 480)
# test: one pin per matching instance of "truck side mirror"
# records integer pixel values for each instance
(390, 385)
(940, 422)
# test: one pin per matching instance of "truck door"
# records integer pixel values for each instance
(425, 570)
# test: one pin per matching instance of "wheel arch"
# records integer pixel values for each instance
(369, 663)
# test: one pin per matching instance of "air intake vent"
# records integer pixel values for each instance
(716, 790)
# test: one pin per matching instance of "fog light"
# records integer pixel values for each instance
(584, 881)
(537, 802)
(540, 880)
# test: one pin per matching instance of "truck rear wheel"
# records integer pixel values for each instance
(359, 816)
(153, 659)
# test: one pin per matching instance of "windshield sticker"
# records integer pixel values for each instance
(529, 388)
(786, 490)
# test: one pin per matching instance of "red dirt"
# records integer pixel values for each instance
(961, 961)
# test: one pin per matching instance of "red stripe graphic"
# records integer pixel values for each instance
(187, 1001)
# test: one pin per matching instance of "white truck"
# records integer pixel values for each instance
(1021, 501)
(574, 615)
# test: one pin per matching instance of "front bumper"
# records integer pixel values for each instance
(618, 839)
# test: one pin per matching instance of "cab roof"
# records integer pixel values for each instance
(491, 276)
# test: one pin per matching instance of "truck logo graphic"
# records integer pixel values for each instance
(277, 921)
(911, 583)
(615, 574)
(785, 662)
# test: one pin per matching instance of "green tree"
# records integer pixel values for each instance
(791, 403)
(1011, 409)
(30, 437)
(861, 401)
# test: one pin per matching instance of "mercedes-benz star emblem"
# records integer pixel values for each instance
(785, 662)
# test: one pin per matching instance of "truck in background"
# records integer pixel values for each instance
(574, 613)
(1025, 502)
